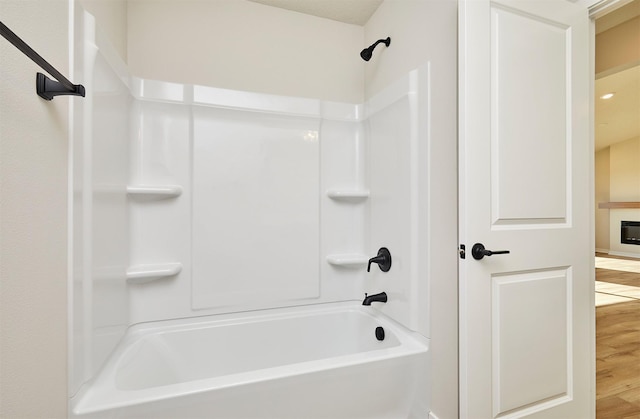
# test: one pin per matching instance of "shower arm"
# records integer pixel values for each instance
(380, 41)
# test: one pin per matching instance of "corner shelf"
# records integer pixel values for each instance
(154, 192)
(348, 194)
(140, 274)
(348, 260)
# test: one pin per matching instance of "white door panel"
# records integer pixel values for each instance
(525, 316)
(529, 118)
(532, 366)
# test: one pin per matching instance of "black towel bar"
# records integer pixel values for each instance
(45, 87)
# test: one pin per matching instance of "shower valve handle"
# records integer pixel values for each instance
(383, 259)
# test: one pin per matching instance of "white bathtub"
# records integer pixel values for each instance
(320, 361)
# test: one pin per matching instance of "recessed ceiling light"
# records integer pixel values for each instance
(607, 96)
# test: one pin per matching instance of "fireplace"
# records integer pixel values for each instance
(630, 232)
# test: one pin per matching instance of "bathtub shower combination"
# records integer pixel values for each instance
(221, 246)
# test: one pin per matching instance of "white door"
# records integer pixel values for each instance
(526, 317)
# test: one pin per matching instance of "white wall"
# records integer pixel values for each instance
(602, 161)
(424, 31)
(111, 17)
(33, 217)
(241, 45)
(624, 177)
(625, 171)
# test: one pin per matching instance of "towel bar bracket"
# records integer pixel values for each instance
(48, 89)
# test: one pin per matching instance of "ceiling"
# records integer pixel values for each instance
(618, 119)
(356, 12)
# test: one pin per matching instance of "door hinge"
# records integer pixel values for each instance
(462, 251)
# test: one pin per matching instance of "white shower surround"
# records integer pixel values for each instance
(364, 180)
(175, 127)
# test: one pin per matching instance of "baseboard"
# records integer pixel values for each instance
(605, 251)
(624, 254)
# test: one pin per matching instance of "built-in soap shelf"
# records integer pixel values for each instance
(140, 274)
(348, 260)
(352, 195)
(154, 191)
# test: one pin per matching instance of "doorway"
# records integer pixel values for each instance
(617, 195)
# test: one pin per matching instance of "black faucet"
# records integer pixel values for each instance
(383, 259)
(368, 299)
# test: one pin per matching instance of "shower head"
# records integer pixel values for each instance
(368, 52)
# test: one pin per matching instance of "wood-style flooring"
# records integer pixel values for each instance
(617, 338)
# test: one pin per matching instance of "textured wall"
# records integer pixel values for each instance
(111, 18)
(242, 45)
(33, 217)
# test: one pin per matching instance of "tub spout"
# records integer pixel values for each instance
(368, 299)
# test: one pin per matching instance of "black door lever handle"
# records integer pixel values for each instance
(478, 251)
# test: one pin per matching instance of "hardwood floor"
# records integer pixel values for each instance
(617, 338)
